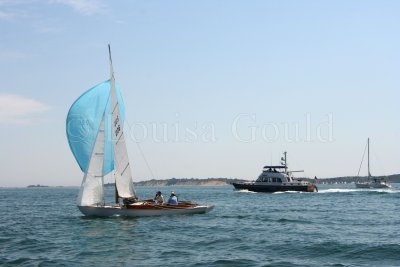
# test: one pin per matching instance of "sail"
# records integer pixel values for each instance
(83, 122)
(123, 175)
(92, 192)
(94, 129)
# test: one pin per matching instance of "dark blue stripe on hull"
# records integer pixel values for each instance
(271, 188)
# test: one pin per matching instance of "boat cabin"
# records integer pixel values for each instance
(274, 174)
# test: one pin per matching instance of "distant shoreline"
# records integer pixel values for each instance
(395, 178)
(186, 182)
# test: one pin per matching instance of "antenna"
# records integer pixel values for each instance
(285, 161)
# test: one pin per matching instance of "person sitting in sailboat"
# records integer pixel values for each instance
(129, 200)
(173, 200)
(159, 199)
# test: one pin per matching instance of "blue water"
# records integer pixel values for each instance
(339, 226)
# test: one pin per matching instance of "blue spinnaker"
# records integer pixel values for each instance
(83, 122)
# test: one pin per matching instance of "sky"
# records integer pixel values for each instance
(212, 88)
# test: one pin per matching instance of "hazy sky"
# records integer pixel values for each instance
(212, 88)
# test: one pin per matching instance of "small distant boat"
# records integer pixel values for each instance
(372, 182)
(277, 179)
(96, 138)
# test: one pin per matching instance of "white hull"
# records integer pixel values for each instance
(108, 211)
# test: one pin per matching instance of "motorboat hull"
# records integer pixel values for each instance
(144, 209)
(275, 188)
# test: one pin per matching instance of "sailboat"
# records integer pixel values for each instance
(371, 182)
(95, 135)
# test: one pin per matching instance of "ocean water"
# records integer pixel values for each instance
(338, 226)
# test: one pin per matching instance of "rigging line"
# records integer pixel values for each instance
(377, 159)
(145, 160)
(362, 159)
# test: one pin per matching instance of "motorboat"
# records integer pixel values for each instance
(277, 178)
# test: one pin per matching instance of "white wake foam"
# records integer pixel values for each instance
(348, 190)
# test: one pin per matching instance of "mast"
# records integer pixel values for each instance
(369, 173)
(111, 66)
(122, 171)
(284, 153)
(112, 85)
(116, 193)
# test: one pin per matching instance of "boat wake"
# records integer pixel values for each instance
(340, 190)
(283, 192)
(245, 191)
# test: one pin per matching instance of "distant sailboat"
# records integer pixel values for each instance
(96, 138)
(371, 182)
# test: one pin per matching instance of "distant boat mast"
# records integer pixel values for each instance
(369, 173)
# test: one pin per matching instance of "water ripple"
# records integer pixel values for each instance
(336, 227)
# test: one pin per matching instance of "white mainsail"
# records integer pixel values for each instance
(122, 170)
(92, 192)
